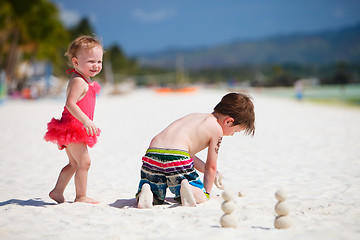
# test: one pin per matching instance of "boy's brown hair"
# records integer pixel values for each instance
(240, 107)
(86, 42)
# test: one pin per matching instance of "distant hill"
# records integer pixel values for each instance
(315, 48)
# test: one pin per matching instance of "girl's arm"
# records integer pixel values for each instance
(77, 89)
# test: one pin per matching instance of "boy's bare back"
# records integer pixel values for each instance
(191, 133)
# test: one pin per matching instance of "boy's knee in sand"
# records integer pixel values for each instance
(145, 197)
(191, 195)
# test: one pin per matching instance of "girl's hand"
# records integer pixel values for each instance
(91, 128)
(219, 180)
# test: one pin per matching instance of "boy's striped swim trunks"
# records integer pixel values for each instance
(163, 168)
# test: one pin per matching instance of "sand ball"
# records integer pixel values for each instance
(282, 208)
(229, 220)
(281, 195)
(282, 222)
(227, 195)
(228, 206)
(241, 194)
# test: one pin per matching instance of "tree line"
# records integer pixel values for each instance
(274, 75)
(32, 31)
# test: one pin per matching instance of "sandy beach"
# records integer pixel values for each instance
(312, 151)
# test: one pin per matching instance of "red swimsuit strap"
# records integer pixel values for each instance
(72, 70)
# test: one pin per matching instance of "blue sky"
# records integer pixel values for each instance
(143, 26)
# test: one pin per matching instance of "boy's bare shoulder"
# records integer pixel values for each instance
(210, 122)
(200, 123)
(202, 117)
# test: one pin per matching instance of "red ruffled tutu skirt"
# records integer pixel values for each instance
(68, 130)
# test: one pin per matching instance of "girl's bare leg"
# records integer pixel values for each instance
(65, 175)
(82, 158)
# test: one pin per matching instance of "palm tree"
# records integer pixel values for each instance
(29, 30)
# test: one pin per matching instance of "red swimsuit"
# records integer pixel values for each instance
(70, 130)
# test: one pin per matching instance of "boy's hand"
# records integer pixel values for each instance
(219, 180)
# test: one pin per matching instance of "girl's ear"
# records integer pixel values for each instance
(74, 61)
(228, 120)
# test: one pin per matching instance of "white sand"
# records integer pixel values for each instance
(311, 151)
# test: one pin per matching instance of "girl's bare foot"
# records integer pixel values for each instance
(187, 197)
(145, 198)
(59, 198)
(86, 200)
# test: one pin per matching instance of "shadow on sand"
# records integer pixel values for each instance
(35, 202)
(124, 203)
(263, 228)
(131, 203)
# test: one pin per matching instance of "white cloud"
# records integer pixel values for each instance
(154, 16)
(68, 17)
(72, 17)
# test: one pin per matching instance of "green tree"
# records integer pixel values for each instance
(30, 30)
(5, 29)
(117, 58)
(83, 27)
(119, 62)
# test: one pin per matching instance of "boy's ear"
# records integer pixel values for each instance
(228, 120)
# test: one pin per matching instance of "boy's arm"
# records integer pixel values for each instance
(198, 164)
(211, 162)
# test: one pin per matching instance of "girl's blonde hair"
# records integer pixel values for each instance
(85, 42)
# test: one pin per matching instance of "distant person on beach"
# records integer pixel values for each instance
(75, 131)
(170, 160)
(299, 90)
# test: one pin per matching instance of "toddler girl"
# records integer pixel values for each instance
(75, 131)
